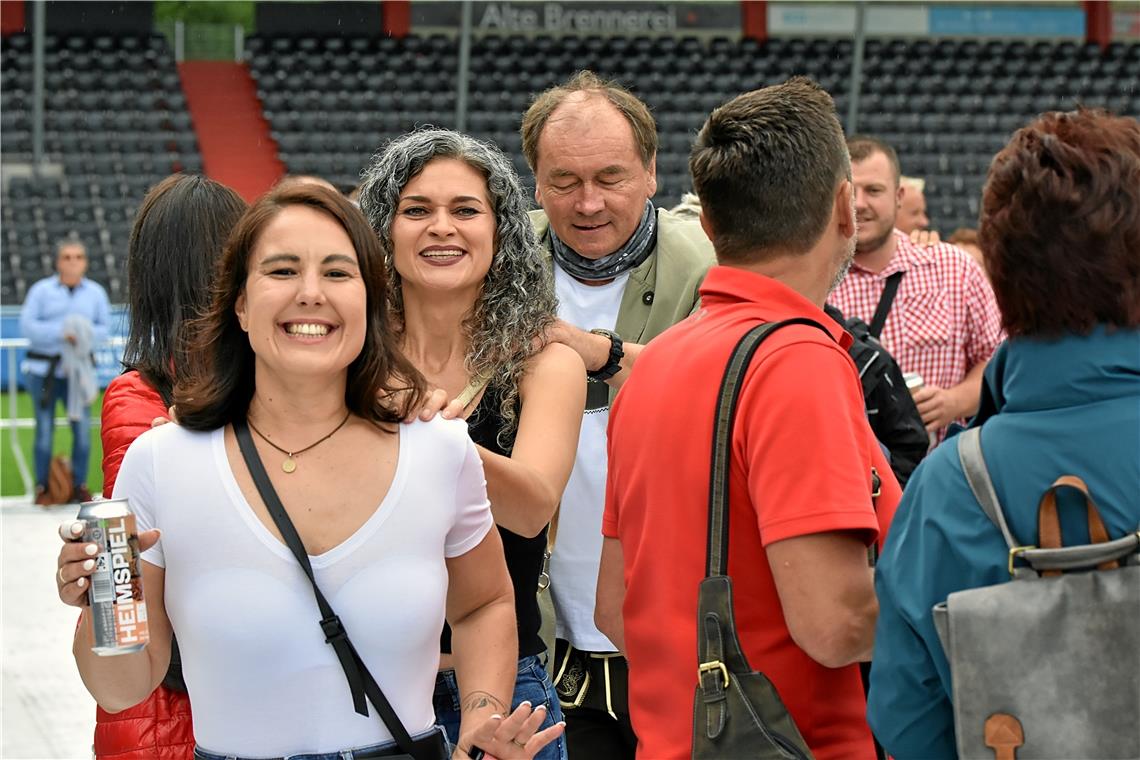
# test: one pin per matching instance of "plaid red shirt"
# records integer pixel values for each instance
(944, 319)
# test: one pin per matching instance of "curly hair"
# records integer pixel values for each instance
(1060, 224)
(517, 302)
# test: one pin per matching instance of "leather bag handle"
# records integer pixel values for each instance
(1049, 522)
(716, 563)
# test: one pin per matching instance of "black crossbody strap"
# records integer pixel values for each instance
(717, 563)
(360, 680)
(890, 288)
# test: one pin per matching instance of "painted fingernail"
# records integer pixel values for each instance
(524, 703)
(76, 528)
(89, 564)
(496, 716)
(561, 723)
(91, 550)
(81, 583)
(541, 707)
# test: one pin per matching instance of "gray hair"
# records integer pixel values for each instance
(71, 239)
(517, 302)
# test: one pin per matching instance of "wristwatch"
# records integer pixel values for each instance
(613, 364)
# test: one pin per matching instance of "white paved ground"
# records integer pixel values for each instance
(44, 710)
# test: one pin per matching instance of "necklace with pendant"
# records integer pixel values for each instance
(290, 463)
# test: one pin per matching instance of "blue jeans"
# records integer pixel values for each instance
(531, 685)
(45, 430)
(344, 754)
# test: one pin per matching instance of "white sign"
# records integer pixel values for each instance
(806, 19)
(556, 18)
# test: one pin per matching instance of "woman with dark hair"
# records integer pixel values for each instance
(1060, 233)
(290, 418)
(471, 301)
(177, 238)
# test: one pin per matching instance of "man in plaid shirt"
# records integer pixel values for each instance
(943, 323)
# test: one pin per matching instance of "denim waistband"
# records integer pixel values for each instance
(355, 753)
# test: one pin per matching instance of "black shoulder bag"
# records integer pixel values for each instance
(360, 681)
(737, 711)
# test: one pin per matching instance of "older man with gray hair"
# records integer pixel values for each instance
(624, 272)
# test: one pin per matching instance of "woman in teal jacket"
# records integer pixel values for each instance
(1060, 231)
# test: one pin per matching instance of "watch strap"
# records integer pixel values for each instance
(613, 362)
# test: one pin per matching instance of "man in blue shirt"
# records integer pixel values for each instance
(64, 310)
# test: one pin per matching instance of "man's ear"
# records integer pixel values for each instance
(845, 209)
(706, 225)
(537, 193)
(652, 170)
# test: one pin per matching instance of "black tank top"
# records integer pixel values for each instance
(524, 555)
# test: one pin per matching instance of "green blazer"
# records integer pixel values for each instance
(663, 290)
(660, 292)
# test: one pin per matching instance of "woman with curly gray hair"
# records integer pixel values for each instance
(471, 301)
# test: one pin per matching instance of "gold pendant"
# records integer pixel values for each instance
(289, 465)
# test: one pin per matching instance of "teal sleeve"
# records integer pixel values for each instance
(908, 709)
(908, 706)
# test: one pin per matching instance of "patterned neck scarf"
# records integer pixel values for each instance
(633, 253)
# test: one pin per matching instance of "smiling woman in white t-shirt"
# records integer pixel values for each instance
(394, 519)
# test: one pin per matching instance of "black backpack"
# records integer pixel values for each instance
(890, 410)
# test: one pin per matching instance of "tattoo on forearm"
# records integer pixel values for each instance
(478, 700)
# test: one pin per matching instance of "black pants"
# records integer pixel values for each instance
(594, 735)
(599, 727)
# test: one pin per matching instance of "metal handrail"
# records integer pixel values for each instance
(13, 423)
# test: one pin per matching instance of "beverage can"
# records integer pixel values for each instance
(118, 607)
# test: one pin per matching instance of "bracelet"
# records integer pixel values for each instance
(613, 363)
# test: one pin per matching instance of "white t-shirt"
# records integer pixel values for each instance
(578, 550)
(260, 675)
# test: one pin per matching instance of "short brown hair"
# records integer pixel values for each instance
(640, 120)
(1060, 224)
(963, 236)
(862, 147)
(221, 385)
(766, 165)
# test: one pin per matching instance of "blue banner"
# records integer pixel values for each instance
(1003, 21)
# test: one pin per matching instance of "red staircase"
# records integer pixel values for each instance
(232, 132)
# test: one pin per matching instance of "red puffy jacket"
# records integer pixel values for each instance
(159, 727)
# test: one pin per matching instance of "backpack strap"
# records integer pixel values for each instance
(1081, 557)
(978, 476)
(890, 288)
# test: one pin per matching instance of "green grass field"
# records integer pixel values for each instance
(10, 483)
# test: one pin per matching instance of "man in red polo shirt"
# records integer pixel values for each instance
(773, 173)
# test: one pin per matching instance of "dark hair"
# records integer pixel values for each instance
(766, 165)
(517, 303)
(963, 236)
(1060, 224)
(382, 385)
(640, 119)
(176, 240)
(862, 147)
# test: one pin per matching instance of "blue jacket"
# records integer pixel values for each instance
(49, 302)
(1049, 408)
